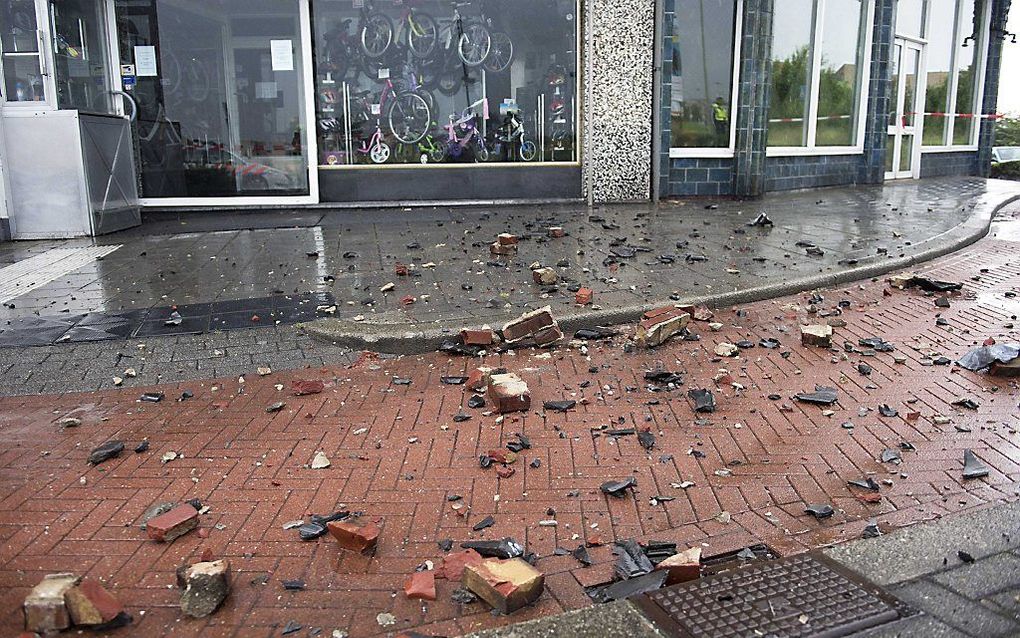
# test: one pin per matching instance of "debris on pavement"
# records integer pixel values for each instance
(629, 587)
(998, 359)
(320, 461)
(206, 585)
(761, 221)
(45, 607)
(545, 276)
(477, 336)
(355, 536)
(618, 488)
(559, 406)
(682, 566)
(819, 510)
(818, 335)
(927, 284)
(704, 400)
(725, 349)
(972, 466)
(595, 334)
(508, 393)
(507, 585)
(90, 604)
(421, 585)
(657, 326)
(538, 327)
(105, 452)
(307, 386)
(631, 560)
(822, 395)
(966, 402)
(505, 548)
(174, 523)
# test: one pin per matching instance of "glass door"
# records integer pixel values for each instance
(23, 53)
(904, 117)
(222, 104)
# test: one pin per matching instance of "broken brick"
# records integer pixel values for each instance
(556, 232)
(816, 335)
(584, 296)
(88, 603)
(478, 378)
(477, 336)
(355, 536)
(497, 248)
(504, 471)
(659, 325)
(400, 269)
(44, 607)
(507, 585)
(506, 239)
(206, 585)
(421, 586)
(311, 386)
(455, 562)
(683, 566)
(508, 393)
(177, 522)
(539, 325)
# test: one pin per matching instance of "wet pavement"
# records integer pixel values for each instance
(629, 255)
(725, 480)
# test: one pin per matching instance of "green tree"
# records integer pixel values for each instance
(1007, 131)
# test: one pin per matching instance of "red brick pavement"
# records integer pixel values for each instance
(250, 467)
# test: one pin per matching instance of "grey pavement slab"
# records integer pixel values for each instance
(961, 613)
(999, 572)
(917, 626)
(613, 620)
(919, 550)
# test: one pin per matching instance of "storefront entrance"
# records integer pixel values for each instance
(903, 151)
(221, 91)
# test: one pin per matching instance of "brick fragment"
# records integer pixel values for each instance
(545, 276)
(355, 536)
(177, 522)
(400, 270)
(455, 562)
(421, 586)
(683, 566)
(1010, 369)
(478, 378)
(477, 336)
(659, 325)
(88, 603)
(538, 325)
(819, 335)
(206, 587)
(44, 607)
(508, 393)
(496, 248)
(307, 386)
(504, 471)
(507, 585)
(506, 239)
(584, 296)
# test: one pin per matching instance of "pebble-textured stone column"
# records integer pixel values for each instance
(618, 87)
(753, 103)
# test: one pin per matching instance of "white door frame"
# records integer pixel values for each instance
(898, 128)
(309, 141)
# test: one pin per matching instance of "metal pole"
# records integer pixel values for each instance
(588, 42)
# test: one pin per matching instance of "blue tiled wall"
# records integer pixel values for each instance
(788, 173)
(700, 176)
(941, 164)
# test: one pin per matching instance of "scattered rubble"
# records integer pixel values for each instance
(178, 521)
(927, 284)
(822, 395)
(972, 466)
(507, 585)
(206, 585)
(355, 536)
(997, 359)
(538, 327)
(657, 326)
(618, 488)
(508, 393)
(105, 452)
(683, 566)
(819, 335)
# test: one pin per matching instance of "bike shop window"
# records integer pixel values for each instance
(78, 29)
(440, 82)
(220, 94)
(819, 61)
(701, 51)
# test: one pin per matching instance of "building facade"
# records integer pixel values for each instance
(112, 105)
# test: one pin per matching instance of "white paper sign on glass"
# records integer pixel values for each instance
(282, 54)
(145, 61)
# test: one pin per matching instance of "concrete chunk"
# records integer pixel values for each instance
(44, 606)
(507, 585)
(819, 335)
(682, 567)
(206, 587)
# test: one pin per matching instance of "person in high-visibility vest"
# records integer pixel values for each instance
(721, 117)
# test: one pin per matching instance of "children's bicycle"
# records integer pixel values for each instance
(472, 137)
(374, 147)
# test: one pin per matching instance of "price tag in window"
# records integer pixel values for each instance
(376, 109)
(384, 73)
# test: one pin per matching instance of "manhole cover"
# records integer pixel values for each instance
(803, 595)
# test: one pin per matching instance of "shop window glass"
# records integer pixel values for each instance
(220, 94)
(968, 52)
(793, 26)
(702, 73)
(430, 81)
(941, 20)
(839, 78)
(80, 55)
(19, 43)
(910, 16)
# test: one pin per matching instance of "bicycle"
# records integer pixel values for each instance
(375, 148)
(408, 113)
(455, 145)
(511, 136)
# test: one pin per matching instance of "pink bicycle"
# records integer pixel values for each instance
(455, 144)
(374, 147)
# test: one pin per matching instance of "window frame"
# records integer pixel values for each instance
(863, 79)
(981, 45)
(720, 151)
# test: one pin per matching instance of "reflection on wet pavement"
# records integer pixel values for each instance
(454, 280)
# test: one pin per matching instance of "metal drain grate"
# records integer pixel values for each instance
(803, 595)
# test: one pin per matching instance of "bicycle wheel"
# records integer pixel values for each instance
(450, 82)
(409, 117)
(481, 153)
(422, 34)
(376, 35)
(380, 153)
(474, 44)
(501, 54)
(528, 150)
(437, 154)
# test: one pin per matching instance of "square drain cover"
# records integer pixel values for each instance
(804, 595)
